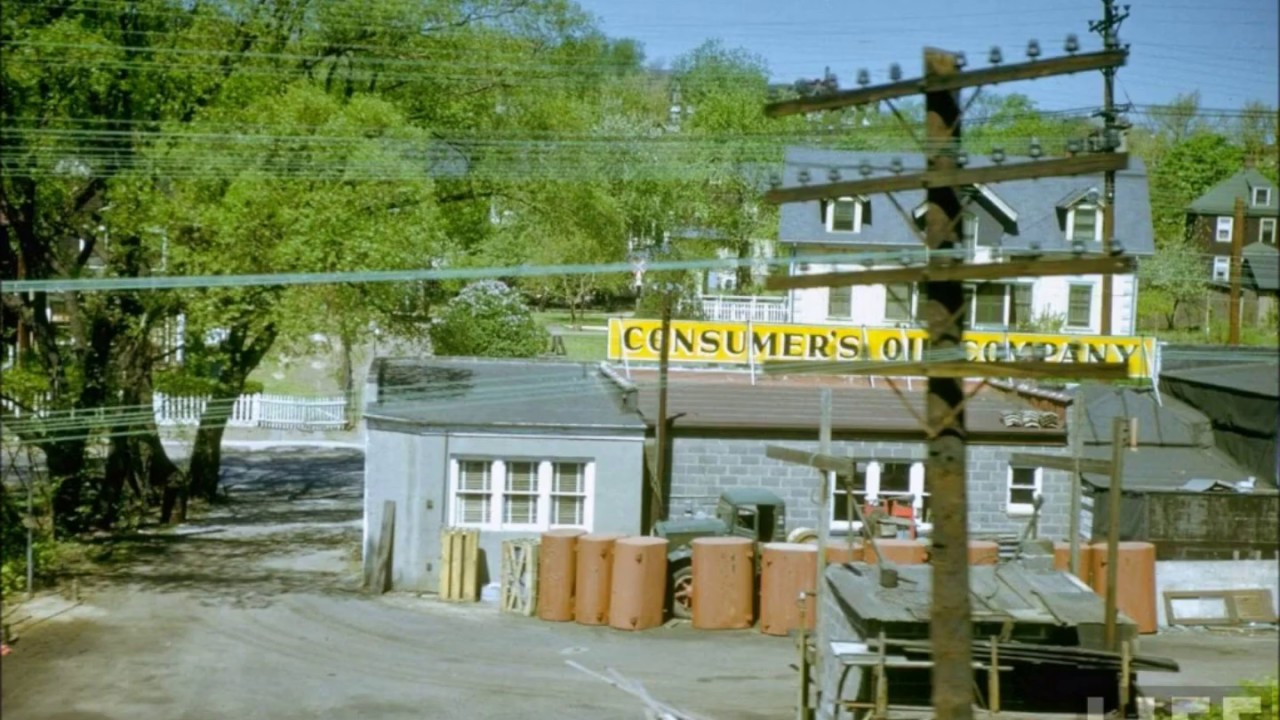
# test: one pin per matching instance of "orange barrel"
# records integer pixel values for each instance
(638, 592)
(788, 569)
(984, 552)
(841, 552)
(724, 575)
(556, 568)
(1062, 559)
(593, 582)
(899, 551)
(1136, 586)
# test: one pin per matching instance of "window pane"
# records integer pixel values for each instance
(840, 302)
(1080, 306)
(1085, 227)
(1021, 304)
(897, 302)
(841, 511)
(989, 309)
(569, 478)
(1022, 496)
(522, 477)
(1224, 228)
(1022, 486)
(521, 509)
(473, 475)
(842, 212)
(567, 511)
(1267, 231)
(473, 508)
(895, 478)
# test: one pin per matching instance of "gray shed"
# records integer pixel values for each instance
(511, 448)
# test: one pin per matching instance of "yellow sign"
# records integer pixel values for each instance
(742, 343)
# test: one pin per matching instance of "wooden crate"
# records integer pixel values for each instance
(519, 586)
(459, 565)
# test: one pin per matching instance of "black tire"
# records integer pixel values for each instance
(682, 592)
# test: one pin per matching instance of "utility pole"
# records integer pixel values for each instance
(943, 276)
(1108, 27)
(1075, 428)
(949, 626)
(1237, 247)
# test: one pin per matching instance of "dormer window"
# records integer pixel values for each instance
(843, 215)
(1084, 223)
(1262, 196)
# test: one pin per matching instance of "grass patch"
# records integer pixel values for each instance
(585, 347)
(561, 317)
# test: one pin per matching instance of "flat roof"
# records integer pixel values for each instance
(484, 392)
(728, 401)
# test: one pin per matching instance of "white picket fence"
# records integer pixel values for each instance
(264, 410)
(744, 308)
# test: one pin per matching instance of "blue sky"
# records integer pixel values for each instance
(1226, 49)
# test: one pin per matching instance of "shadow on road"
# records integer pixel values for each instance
(290, 523)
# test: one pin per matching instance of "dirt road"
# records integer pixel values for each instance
(253, 612)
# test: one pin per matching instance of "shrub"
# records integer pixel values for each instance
(488, 319)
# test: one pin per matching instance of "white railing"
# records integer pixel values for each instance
(743, 308)
(281, 412)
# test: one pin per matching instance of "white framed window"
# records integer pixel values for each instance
(1084, 222)
(1267, 231)
(1221, 268)
(1001, 305)
(1080, 306)
(843, 215)
(1024, 483)
(840, 302)
(569, 494)
(521, 494)
(882, 480)
(1262, 196)
(899, 302)
(1223, 232)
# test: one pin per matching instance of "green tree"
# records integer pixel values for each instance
(1172, 279)
(488, 319)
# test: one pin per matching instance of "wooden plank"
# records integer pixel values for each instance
(386, 543)
(1224, 595)
(838, 464)
(1058, 462)
(986, 76)
(1079, 165)
(955, 369)
(471, 562)
(959, 271)
(446, 564)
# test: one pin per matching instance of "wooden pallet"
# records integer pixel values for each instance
(519, 586)
(459, 565)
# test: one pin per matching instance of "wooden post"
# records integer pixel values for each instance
(664, 363)
(386, 543)
(824, 528)
(1237, 245)
(1076, 429)
(949, 627)
(993, 677)
(1119, 442)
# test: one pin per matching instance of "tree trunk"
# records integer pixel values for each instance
(346, 372)
(206, 459)
(742, 275)
(120, 464)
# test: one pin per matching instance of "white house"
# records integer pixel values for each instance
(1049, 216)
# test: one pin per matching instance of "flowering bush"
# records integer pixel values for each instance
(488, 319)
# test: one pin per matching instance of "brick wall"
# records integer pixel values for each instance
(703, 466)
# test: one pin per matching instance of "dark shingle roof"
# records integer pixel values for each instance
(1035, 202)
(1169, 424)
(473, 392)
(1261, 379)
(1167, 468)
(1261, 267)
(1221, 198)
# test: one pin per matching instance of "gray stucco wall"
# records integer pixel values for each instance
(412, 469)
(703, 466)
